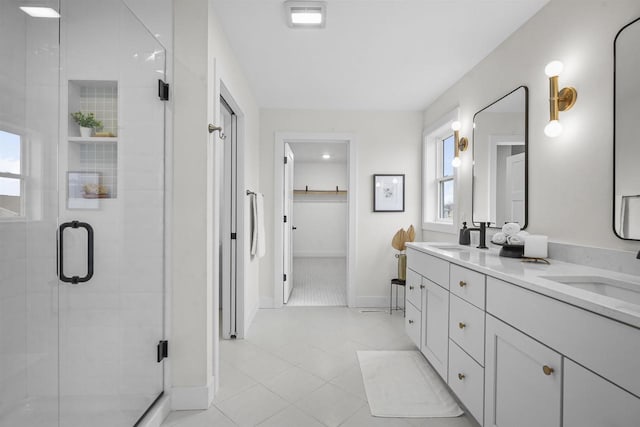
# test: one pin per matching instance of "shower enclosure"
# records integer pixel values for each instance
(81, 218)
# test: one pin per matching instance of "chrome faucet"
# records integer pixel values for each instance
(482, 244)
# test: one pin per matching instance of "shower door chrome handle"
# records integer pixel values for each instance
(75, 279)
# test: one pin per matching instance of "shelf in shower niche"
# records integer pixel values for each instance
(92, 139)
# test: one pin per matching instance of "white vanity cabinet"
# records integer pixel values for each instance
(523, 379)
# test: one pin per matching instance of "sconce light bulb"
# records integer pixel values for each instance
(553, 68)
(456, 125)
(553, 129)
(456, 162)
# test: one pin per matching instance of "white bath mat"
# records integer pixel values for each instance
(402, 384)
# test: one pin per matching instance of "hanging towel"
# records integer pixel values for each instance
(254, 223)
(262, 247)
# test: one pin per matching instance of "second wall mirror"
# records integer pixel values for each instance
(500, 166)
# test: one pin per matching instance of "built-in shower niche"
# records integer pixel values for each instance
(92, 160)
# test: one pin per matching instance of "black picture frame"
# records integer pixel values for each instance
(388, 192)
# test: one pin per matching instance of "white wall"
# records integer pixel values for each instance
(387, 142)
(203, 63)
(570, 177)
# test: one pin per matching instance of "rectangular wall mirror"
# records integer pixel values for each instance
(626, 203)
(500, 168)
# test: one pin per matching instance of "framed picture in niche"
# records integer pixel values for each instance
(388, 193)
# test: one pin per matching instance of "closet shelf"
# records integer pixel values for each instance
(326, 192)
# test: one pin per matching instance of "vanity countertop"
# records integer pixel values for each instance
(529, 276)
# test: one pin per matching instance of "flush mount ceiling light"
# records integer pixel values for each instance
(305, 14)
(326, 156)
(40, 12)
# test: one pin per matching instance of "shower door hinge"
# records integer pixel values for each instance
(163, 350)
(163, 90)
(285, 160)
(233, 236)
(284, 277)
(285, 218)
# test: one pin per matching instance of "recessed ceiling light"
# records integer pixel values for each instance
(40, 12)
(326, 156)
(305, 14)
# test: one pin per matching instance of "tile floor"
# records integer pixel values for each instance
(319, 282)
(298, 368)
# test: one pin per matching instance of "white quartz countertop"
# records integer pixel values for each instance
(528, 275)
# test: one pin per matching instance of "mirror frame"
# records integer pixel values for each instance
(526, 151)
(613, 204)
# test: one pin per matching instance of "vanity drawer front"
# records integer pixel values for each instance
(468, 285)
(607, 347)
(466, 327)
(412, 321)
(413, 288)
(466, 379)
(434, 269)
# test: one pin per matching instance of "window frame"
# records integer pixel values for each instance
(21, 176)
(442, 179)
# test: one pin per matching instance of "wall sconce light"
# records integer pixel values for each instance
(561, 100)
(459, 144)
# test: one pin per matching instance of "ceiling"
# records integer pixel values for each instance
(311, 152)
(373, 54)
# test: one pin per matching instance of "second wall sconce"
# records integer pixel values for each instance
(559, 100)
(459, 144)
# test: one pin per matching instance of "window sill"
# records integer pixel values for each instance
(440, 227)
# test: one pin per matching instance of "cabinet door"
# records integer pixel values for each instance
(412, 288)
(435, 326)
(412, 321)
(522, 379)
(590, 401)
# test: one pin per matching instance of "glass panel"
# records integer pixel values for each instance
(112, 179)
(29, 77)
(446, 200)
(447, 156)
(9, 152)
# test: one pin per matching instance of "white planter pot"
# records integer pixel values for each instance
(85, 132)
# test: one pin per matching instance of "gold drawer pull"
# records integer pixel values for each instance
(460, 377)
(411, 288)
(422, 286)
(462, 283)
(462, 325)
(547, 370)
(410, 321)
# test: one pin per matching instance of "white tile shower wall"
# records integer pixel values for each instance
(101, 157)
(102, 100)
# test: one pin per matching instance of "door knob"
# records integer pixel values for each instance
(461, 325)
(294, 228)
(411, 288)
(462, 283)
(548, 370)
(422, 286)
(460, 377)
(410, 321)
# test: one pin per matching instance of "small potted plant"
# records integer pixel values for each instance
(87, 123)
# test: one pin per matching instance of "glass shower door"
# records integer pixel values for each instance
(111, 216)
(29, 119)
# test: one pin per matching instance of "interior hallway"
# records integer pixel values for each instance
(298, 367)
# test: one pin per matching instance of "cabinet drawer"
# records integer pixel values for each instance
(413, 286)
(574, 332)
(434, 269)
(466, 379)
(468, 285)
(412, 323)
(466, 327)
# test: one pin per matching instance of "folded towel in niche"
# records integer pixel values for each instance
(499, 238)
(511, 228)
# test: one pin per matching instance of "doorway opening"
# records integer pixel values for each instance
(315, 219)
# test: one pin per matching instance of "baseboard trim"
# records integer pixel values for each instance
(192, 398)
(157, 413)
(374, 302)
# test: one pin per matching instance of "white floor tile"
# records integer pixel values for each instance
(293, 384)
(363, 418)
(351, 381)
(330, 405)
(232, 382)
(325, 365)
(264, 367)
(291, 417)
(210, 417)
(252, 406)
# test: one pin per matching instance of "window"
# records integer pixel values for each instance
(439, 176)
(11, 178)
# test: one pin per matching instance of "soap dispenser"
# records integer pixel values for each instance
(465, 238)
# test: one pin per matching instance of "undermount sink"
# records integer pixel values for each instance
(624, 291)
(450, 248)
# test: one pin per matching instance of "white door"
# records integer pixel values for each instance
(287, 279)
(516, 187)
(523, 379)
(228, 214)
